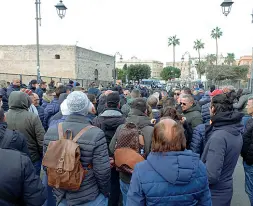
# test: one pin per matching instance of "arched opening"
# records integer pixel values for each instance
(96, 74)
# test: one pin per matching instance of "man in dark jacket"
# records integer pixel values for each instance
(19, 118)
(19, 184)
(247, 151)
(14, 86)
(137, 116)
(53, 107)
(127, 107)
(222, 149)
(33, 85)
(191, 111)
(109, 121)
(153, 102)
(241, 105)
(96, 184)
(41, 90)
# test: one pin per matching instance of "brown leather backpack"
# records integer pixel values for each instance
(62, 159)
(129, 148)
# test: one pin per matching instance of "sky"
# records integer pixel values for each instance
(132, 27)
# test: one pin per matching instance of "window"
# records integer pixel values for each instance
(57, 56)
(96, 74)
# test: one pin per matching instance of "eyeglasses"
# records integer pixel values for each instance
(178, 94)
(181, 103)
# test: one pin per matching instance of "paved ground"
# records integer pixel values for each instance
(240, 198)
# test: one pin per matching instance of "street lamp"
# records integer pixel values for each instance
(114, 72)
(226, 6)
(61, 10)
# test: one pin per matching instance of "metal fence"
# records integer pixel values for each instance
(26, 78)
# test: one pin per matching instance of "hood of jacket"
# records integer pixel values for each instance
(229, 121)
(175, 167)
(194, 107)
(47, 98)
(139, 118)
(111, 112)
(19, 100)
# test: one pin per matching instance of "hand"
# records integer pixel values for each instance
(111, 162)
(183, 120)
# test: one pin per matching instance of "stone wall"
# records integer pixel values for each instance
(74, 63)
(21, 59)
(87, 62)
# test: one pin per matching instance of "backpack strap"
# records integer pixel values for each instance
(82, 132)
(60, 131)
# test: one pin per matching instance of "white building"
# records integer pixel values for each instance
(155, 66)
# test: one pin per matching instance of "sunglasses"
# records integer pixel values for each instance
(178, 94)
(181, 103)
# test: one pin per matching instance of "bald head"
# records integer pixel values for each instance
(35, 99)
(16, 82)
(168, 136)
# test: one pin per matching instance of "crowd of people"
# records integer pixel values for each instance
(70, 146)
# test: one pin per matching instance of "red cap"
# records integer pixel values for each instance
(28, 91)
(216, 92)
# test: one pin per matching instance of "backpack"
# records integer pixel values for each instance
(62, 159)
(129, 148)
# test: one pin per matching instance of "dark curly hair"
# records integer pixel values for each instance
(222, 103)
(171, 113)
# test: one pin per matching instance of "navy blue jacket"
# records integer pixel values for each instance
(51, 109)
(19, 184)
(17, 141)
(3, 93)
(170, 178)
(205, 112)
(199, 139)
(221, 154)
(40, 93)
(44, 103)
(41, 113)
(11, 89)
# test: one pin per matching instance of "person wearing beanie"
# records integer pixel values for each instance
(109, 120)
(95, 187)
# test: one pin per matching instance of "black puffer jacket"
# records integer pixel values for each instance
(93, 151)
(247, 148)
(109, 121)
(19, 184)
(10, 139)
(3, 93)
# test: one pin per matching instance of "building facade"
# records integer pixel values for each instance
(155, 66)
(60, 61)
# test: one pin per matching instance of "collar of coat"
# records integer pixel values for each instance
(78, 118)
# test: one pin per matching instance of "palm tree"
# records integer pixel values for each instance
(174, 41)
(230, 58)
(216, 34)
(198, 45)
(210, 58)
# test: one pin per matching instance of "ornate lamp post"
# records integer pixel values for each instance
(61, 10)
(226, 6)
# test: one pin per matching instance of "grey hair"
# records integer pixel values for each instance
(250, 98)
(188, 96)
